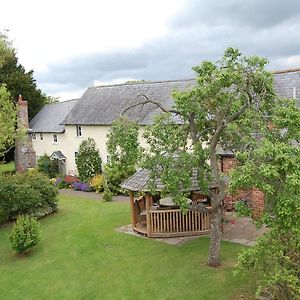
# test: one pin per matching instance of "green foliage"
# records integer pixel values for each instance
(276, 257)
(243, 208)
(7, 168)
(274, 167)
(97, 183)
(48, 166)
(124, 150)
(88, 161)
(18, 80)
(26, 194)
(25, 234)
(107, 195)
(7, 120)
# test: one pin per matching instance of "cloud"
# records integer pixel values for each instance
(201, 31)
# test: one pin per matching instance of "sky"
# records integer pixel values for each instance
(72, 45)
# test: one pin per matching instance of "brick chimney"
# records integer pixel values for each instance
(24, 153)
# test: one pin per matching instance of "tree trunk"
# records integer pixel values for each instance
(215, 240)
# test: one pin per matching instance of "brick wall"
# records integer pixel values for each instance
(255, 196)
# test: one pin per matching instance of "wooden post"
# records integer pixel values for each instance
(133, 212)
(148, 206)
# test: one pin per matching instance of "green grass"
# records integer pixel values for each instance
(82, 256)
(10, 167)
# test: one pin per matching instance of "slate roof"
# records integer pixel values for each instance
(50, 117)
(58, 155)
(103, 104)
(140, 181)
(286, 81)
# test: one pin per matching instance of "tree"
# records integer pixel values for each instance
(231, 100)
(88, 161)
(123, 149)
(17, 80)
(8, 119)
(273, 166)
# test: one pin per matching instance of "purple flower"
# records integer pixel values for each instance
(81, 186)
(57, 181)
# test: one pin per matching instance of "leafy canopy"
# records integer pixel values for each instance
(232, 99)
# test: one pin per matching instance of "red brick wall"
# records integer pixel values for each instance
(255, 196)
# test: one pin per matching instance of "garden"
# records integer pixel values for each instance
(82, 256)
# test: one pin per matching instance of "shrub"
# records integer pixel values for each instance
(26, 194)
(115, 175)
(25, 234)
(47, 165)
(107, 195)
(81, 186)
(69, 179)
(88, 161)
(97, 183)
(243, 208)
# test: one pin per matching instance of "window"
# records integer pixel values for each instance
(78, 131)
(55, 140)
(33, 136)
(41, 137)
(108, 159)
(75, 154)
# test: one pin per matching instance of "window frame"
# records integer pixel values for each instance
(79, 131)
(55, 139)
(33, 136)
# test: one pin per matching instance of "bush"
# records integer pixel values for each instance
(107, 195)
(97, 183)
(26, 194)
(81, 186)
(243, 208)
(25, 234)
(48, 166)
(88, 161)
(115, 175)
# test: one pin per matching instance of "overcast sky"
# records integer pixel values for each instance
(72, 45)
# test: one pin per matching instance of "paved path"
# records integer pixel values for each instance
(236, 230)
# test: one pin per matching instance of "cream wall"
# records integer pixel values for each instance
(68, 143)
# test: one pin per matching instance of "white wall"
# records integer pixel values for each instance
(68, 143)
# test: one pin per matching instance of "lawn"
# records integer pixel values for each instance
(10, 167)
(82, 256)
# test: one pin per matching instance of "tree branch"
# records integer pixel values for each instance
(158, 104)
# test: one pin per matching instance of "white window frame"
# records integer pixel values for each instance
(79, 131)
(33, 136)
(55, 139)
(41, 136)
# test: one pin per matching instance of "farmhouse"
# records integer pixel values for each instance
(59, 128)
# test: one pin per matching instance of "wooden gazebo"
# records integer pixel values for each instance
(154, 216)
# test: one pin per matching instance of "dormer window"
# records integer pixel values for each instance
(78, 131)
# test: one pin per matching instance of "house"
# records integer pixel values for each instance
(59, 128)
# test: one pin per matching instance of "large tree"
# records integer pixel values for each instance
(17, 80)
(7, 121)
(231, 100)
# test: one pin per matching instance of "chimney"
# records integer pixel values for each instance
(24, 153)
